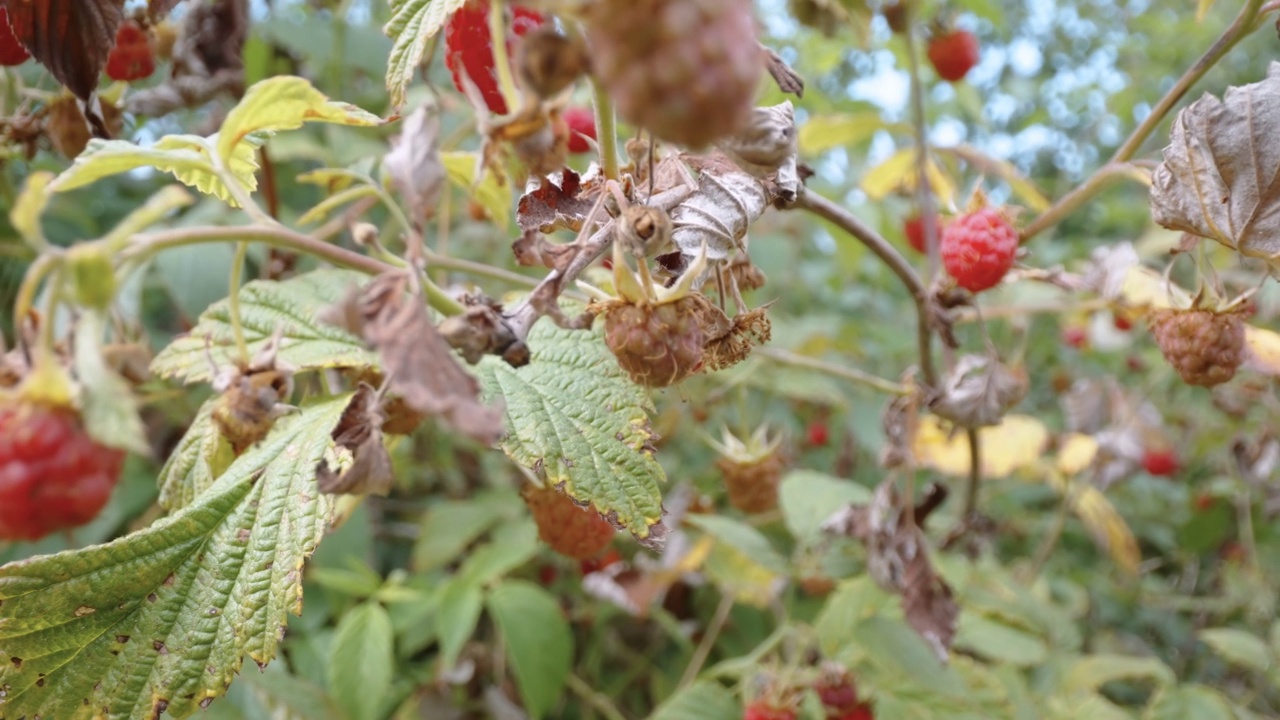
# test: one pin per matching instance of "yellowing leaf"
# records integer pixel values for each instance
(489, 192)
(285, 103)
(1075, 453)
(332, 179)
(1148, 289)
(741, 577)
(1202, 9)
(899, 172)
(1021, 186)
(824, 132)
(29, 207)
(1107, 527)
(1262, 350)
(1006, 448)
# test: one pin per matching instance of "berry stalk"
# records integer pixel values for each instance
(501, 62)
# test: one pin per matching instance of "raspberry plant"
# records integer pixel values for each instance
(662, 426)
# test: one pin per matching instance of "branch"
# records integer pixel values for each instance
(786, 357)
(1242, 26)
(845, 220)
(1072, 201)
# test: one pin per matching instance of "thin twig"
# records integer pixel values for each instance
(1072, 201)
(597, 700)
(786, 357)
(845, 220)
(975, 476)
(1240, 27)
(708, 641)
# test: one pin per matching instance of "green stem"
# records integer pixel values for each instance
(786, 357)
(606, 130)
(1081, 194)
(501, 62)
(597, 700)
(30, 286)
(233, 299)
(708, 641)
(1239, 28)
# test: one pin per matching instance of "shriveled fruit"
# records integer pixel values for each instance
(953, 54)
(1204, 346)
(468, 48)
(132, 57)
(11, 51)
(978, 248)
(686, 70)
(657, 345)
(582, 125)
(571, 530)
(53, 476)
(752, 470)
(547, 61)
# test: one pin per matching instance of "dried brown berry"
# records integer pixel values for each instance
(1205, 347)
(571, 530)
(547, 61)
(686, 70)
(657, 345)
(751, 470)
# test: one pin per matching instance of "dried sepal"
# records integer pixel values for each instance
(978, 392)
(367, 468)
(252, 395)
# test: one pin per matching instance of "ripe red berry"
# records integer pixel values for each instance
(131, 58)
(818, 435)
(862, 712)
(11, 51)
(570, 530)
(978, 249)
(1204, 502)
(953, 54)
(913, 229)
(1075, 336)
(1122, 322)
(838, 693)
(468, 48)
(53, 476)
(761, 710)
(582, 125)
(1160, 463)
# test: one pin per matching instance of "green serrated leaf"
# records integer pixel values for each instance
(808, 498)
(362, 661)
(308, 343)
(538, 641)
(107, 405)
(29, 208)
(699, 701)
(1188, 702)
(163, 618)
(413, 23)
(573, 414)
(513, 545)
(186, 157)
(899, 650)
(1093, 671)
(490, 192)
(450, 526)
(997, 641)
(1239, 648)
(457, 613)
(201, 456)
(284, 103)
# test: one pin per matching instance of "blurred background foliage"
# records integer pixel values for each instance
(444, 568)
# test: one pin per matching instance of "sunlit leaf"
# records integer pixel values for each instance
(490, 193)
(284, 103)
(1016, 443)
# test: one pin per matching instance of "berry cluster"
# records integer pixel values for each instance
(132, 57)
(53, 476)
(978, 248)
(1205, 347)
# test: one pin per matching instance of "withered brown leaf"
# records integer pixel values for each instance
(979, 391)
(557, 201)
(359, 430)
(420, 366)
(898, 560)
(1220, 178)
(414, 162)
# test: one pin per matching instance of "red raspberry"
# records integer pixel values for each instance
(761, 710)
(570, 530)
(1160, 463)
(818, 435)
(1122, 322)
(1075, 336)
(913, 229)
(53, 476)
(11, 51)
(838, 694)
(978, 249)
(862, 712)
(468, 48)
(953, 54)
(582, 125)
(131, 58)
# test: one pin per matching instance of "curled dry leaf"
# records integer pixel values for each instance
(556, 201)
(766, 148)
(481, 331)
(253, 396)
(414, 162)
(789, 81)
(979, 391)
(747, 330)
(419, 364)
(898, 560)
(1220, 178)
(359, 432)
(727, 202)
